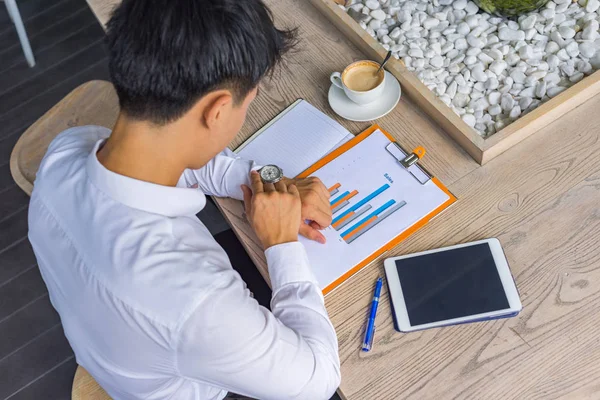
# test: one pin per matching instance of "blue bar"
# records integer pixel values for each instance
(339, 197)
(361, 203)
(376, 212)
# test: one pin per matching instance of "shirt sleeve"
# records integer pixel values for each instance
(233, 343)
(222, 176)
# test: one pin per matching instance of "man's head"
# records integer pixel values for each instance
(193, 63)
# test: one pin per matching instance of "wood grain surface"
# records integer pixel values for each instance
(86, 388)
(541, 199)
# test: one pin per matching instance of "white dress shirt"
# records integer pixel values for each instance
(149, 300)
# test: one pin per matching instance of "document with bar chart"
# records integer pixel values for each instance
(374, 200)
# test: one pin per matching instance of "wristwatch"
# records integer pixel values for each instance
(270, 174)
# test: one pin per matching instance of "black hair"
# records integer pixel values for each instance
(164, 55)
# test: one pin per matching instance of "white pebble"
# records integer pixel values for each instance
(459, 4)
(527, 92)
(552, 79)
(505, 33)
(517, 76)
(515, 112)
(430, 23)
(529, 22)
(451, 90)
(525, 102)
(379, 15)
(460, 44)
(416, 53)
(589, 34)
(552, 47)
(498, 67)
(592, 6)
(463, 28)
(372, 4)
(494, 110)
(460, 100)
(469, 119)
(494, 97)
(491, 84)
(507, 102)
(572, 49)
(576, 77)
(555, 91)
(471, 8)
(563, 55)
(526, 52)
(436, 62)
(566, 32)
(587, 50)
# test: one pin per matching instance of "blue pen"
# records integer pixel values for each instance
(370, 332)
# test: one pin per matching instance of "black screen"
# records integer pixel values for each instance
(451, 284)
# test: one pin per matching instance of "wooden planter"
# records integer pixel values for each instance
(482, 150)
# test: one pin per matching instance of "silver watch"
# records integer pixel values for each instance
(270, 174)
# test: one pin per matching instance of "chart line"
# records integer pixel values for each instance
(343, 198)
(376, 221)
(354, 229)
(334, 187)
(362, 202)
(351, 217)
(340, 206)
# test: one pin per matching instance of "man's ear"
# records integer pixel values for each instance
(217, 109)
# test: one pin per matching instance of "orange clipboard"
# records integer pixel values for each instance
(409, 160)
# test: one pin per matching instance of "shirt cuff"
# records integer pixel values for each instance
(288, 263)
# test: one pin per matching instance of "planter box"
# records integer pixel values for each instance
(482, 150)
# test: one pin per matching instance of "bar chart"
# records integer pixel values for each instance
(346, 215)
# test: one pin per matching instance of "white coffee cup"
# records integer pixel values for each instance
(360, 81)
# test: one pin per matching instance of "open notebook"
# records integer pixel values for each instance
(376, 201)
(295, 139)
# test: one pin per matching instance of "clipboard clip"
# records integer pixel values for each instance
(409, 161)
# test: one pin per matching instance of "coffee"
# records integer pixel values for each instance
(362, 76)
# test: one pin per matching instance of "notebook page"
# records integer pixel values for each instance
(294, 142)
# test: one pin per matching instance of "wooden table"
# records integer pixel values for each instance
(541, 199)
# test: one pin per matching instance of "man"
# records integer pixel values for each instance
(148, 300)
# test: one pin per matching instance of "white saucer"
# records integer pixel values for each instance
(346, 108)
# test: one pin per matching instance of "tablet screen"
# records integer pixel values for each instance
(451, 284)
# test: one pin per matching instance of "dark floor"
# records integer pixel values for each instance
(36, 362)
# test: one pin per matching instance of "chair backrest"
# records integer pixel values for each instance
(86, 388)
(93, 103)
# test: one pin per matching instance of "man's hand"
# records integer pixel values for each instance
(315, 207)
(273, 210)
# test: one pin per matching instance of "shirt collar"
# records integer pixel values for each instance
(145, 196)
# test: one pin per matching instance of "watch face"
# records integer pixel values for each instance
(270, 173)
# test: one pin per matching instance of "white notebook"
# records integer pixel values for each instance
(294, 140)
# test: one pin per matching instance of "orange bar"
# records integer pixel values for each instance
(345, 217)
(358, 228)
(331, 189)
(343, 199)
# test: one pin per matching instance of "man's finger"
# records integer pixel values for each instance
(247, 198)
(311, 233)
(281, 187)
(257, 184)
(317, 214)
(293, 190)
(317, 226)
(269, 187)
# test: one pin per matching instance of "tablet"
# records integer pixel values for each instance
(453, 285)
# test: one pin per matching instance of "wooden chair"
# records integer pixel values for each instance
(93, 103)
